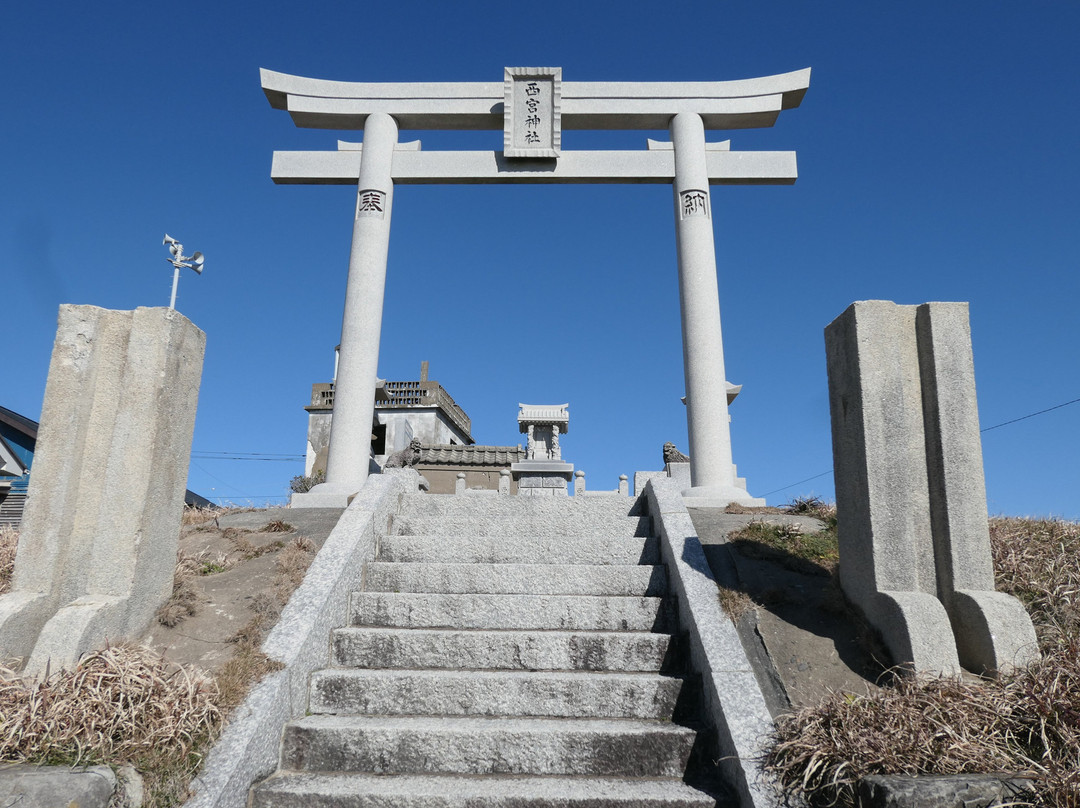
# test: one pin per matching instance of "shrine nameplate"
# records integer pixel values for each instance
(531, 115)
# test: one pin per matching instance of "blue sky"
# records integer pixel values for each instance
(938, 160)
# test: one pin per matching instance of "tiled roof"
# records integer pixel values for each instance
(444, 455)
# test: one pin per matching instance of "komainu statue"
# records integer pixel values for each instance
(673, 455)
(406, 458)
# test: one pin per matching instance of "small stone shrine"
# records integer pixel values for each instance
(543, 472)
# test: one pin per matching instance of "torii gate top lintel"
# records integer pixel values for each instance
(532, 106)
(740, 104)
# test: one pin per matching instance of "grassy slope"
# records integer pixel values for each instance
(128, 705)
(1025, 722)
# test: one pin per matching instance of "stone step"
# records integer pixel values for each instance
(512, 516)
(555, 694)
(538, 579)
(499, 650)
(594, 549)
(526, 746)
(531, 612)
(433, 791)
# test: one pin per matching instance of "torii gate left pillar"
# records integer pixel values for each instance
(361, 324)
(532, 106)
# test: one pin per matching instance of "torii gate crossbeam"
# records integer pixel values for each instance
(532, 106)
(476, 167)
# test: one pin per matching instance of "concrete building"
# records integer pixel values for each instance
(410, 410)
(403, 410)
(18, 436)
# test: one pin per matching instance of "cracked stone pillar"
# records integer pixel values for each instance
(993, 630)
(97, 551)
(914, 541)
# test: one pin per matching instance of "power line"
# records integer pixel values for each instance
(278, 458)
(247, 454)
(987, 429)
(264, 459)
(800, 482)
(254, 496)
(1030, 415)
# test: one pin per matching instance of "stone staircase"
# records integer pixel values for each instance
(504, 651)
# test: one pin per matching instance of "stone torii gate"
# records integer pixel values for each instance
(532, 106)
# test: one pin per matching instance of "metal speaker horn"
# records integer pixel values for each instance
(168, 239)
(197, 261)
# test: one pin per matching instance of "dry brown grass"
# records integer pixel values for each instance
(196, 516)
(238, 537)
(813, 506)
(9, 541)
(1026, 722)
(249, 664)
(245, 668)
(120, 705)
(1038, 560)
(184, 601)
(734, 602)
(129, 705)
(735, 507)
(292, 564)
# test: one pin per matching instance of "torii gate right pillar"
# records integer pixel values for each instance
(712, 473)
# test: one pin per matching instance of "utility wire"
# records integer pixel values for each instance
(800, 482)
(267, 459)
(283, 458)
(987, 429)
(254, 496)
(1030, 415)
(247, 454)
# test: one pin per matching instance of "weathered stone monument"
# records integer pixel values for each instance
(97, 550)
(532, 106)
(543, 471)
(914, 540)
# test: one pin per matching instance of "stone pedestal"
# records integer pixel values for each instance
(97, 551)
(542, 478)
